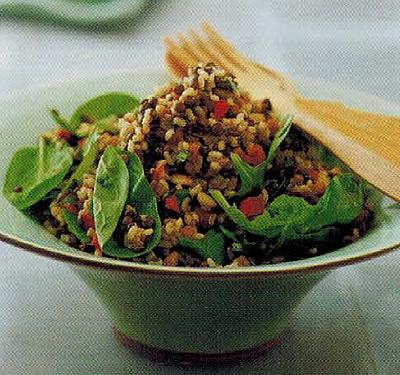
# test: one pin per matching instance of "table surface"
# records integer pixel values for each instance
(50, 322)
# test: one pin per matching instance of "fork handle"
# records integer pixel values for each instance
(358, 138)
(375, 131)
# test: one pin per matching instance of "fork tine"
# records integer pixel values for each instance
(190, 48)
(221, 44)
(179, 54)
(175, 65)
(212, 55)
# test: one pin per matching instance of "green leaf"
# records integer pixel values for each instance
(142, 197)
(75, 228)
(286, 124)
(181, 194)
(253, 177)
(107, 125)
(110, 193)
(88, 160)
(211, 246)
(290, 217)
(35, 171)
(342, 201)
(112, 249)
(103, 106)
(182, 156)
(60, 120)
(228, 233)
(250, 177)
(237, 247)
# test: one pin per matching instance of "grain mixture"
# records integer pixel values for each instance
(202, 143)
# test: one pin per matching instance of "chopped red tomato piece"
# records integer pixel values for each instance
(95, 241)
(220, 109)
(240, 152)
(172, 203)
(87, 220)
(71, 208)
(65, 134)
(314, 174)
(194, 147)
(255, 154)
(273, 125)
(252, 206)
(159, 172)
(82, 143)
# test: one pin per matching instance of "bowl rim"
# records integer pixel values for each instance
(281, 269)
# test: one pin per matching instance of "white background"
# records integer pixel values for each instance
(51, 323)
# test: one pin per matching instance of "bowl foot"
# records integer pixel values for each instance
(184, 358)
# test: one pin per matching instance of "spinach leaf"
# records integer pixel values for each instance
(88, 160)
(35, 171)
(60, 120)
(250, 177)
(211, 246)
(228, 233)
(286, 124)
(342, 201)
(181, 195)
(110, 193)
(103, 106)
(290, 217)
(112, 249)
(107, 124)
(142, 197)
(74, 227)
(253, 177)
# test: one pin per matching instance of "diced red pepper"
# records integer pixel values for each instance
(314, 174)
(95, 241)
(252, 206)
(220, 109)
(65, 134)
(71, 208)
(194, 147)
(172, 203)
(159, 172)
(273, 125)
(82, 143)
(255, 154)
(240, 152)
(87, 220)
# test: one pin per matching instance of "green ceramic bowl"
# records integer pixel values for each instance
(204, 312)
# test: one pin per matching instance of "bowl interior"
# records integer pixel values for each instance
(25, 115)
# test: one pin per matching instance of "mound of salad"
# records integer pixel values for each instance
(196, 175)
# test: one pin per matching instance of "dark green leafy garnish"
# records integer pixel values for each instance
(182, 156)
(60, 120)
(253, 177)
(142, 197)
(88, 160)
(75, 228)
(35, 171)
(110, 193)
(290, 217)
(211, 246)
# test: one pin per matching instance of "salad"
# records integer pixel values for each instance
(196, 175)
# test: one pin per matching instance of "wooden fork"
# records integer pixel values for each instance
(367, 143)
